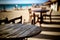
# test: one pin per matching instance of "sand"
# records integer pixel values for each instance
(15, 13)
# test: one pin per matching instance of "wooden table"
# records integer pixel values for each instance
(41, 12)
(20, 31)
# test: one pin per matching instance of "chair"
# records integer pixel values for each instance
(48, 15)
(13, 20)
(32, 17)
(38, 18)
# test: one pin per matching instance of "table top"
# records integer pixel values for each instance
(18, 30)
(43, 11)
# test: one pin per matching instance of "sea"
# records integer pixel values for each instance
(11, 6)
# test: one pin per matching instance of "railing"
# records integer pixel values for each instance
(13, 20)
(6, 21)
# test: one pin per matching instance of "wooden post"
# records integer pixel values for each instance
(34, 18)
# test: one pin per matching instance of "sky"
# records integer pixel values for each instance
(21, 1)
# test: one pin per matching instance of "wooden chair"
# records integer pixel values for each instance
(32, 16)
(48, 15)
(38, 18)
(13, 20)
(52, 17)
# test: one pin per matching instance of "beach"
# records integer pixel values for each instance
(25, 18)
(16, 13)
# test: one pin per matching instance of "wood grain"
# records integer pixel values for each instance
(18, 30)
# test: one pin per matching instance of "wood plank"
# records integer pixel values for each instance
(28, 31)
(15, 28)
(22, 30)
(8, 28)
(19, 30)
(35, 32)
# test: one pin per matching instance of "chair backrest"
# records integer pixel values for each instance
(14, 20)
(5, 21)
(50, 12)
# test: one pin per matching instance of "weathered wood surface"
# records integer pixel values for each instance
(18, 30)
